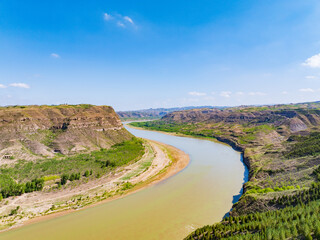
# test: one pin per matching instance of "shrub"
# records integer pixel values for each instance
(86, 173)
(64, 179)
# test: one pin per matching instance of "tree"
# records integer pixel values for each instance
(87, 173)
(64, 179)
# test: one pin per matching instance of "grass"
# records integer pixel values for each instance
(99, 162)
(50, 178)
(184, 128)
(143, 166)
(49, 137)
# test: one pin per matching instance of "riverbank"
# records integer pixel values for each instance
(280, 159)
(200, 194)
(225, 141)
(159, 162)
(234, 145)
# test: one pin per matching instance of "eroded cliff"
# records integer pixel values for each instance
(33, 132)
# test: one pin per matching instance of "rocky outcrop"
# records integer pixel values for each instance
(296, 120)
(43, 131)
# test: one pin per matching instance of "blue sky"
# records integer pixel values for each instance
(143, 54)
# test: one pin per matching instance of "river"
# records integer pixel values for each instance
(200, 194)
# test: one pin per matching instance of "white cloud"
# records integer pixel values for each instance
(120, 24)
(313, 62)
(119, 20)
(257, 94)
(2, 86)
(306, 90)
(19, 85)
(310, 77)
(226, 94)
(240, 93)
(128, 19)
(284, 92)
(197, 94)
(107, 17)
(54, 55)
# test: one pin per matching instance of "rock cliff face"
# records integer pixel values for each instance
(35, 132)
(296, 120)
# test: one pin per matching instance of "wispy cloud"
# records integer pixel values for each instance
(119, 20)
(313, 62)
(310, 90)
(55, 55)
(225, 94)
(284, 92)
(19, 85)
(128, 19)
(120, 24)
(198, 94)
(107, 17)
(3, 86)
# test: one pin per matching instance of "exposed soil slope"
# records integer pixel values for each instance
(35, 132)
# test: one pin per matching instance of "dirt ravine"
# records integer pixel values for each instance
(162, 162)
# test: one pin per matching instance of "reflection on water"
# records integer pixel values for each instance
(200, 194)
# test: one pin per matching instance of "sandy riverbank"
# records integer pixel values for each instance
(38, 206)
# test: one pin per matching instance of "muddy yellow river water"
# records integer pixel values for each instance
(200, 194)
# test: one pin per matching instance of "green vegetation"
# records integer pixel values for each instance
(50, 178)
(49, 137)
(306, 145)
(301, 197)
(30, 176)
(127, 186)
(160, 125)
(251, 132)
(184, 128)
(8, 187)
(143, 166)
(298, 219)
(299, 222)
(257, 189)
(14, 211)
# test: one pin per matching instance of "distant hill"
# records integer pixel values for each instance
(156, 113)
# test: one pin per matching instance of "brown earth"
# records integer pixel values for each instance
(33, 132)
